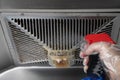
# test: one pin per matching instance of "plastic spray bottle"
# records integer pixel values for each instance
(96, 67)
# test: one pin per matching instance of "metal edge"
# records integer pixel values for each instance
(115, 29)
(10, 56)
(54, 14)
(14, 44)
(61, 10)
(10, 42)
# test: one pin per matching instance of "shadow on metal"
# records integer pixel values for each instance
(42, 73)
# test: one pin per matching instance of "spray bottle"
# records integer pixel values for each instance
(96, 67)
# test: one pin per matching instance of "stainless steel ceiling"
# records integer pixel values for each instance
(59, 4)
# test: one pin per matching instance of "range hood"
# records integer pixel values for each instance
(33, 31)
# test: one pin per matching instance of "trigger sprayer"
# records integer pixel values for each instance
(95, 70)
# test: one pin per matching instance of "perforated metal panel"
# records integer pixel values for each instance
(35, 36)
(61, 33)
(29, 50)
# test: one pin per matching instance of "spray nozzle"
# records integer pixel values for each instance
(92, 38)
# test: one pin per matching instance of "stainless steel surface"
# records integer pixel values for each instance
(33, 35)
(5, 56)
(42, 7)
(109, 25)
(115, 31)
(59, 4)
(37, 73)
(118, 40)
(40, 38)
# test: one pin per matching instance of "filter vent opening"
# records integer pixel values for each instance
(32, 34)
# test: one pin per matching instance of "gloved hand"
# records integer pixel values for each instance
(109, 54)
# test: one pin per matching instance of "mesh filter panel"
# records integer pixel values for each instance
(28, 50)
(30, 34)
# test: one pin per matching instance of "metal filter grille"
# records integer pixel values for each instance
(28, 50)
(30, 34)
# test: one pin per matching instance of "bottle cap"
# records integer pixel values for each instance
(91, 38)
